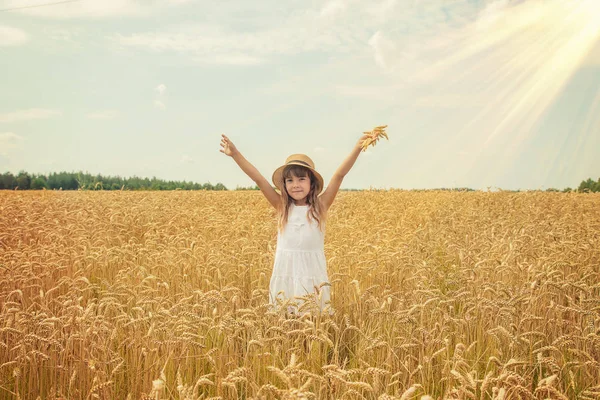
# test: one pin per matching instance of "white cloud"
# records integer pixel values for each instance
(159, 101)
(79, 9)
(333, 26)
(371, 92)
(26, 115)
(449, 100)
(383, 48)
(230, 59)
(177, 2)
(161, 89)
(185, 159)
(90, 9)
(382, 10)
(332, 8)
(107, 114)
(8, 141)
(220, 42)
(61, 34)
(10, 36)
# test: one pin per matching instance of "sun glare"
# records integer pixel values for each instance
(522, 58)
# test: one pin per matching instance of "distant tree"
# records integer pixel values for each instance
(87, 181)
(7, 181)
(38, 183)
(23, 180)
(255, 187)
(62, 180)
(589, 186)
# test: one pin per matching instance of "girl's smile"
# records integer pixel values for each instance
(298, 187)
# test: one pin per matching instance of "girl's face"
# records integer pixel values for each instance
(298, 188)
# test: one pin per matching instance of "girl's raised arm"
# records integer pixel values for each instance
(229, 149)
(336, 180)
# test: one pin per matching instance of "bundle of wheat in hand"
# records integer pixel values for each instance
(374, 136)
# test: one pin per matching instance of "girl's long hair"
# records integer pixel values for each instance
(315, 209)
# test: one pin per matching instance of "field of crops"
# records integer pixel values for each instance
(436, 295)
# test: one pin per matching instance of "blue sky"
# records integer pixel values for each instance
(501, 94)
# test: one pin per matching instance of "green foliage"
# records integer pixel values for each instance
(86, 181)
(589, 186)
(7, 181)
(23, 180)
(62, 180)
(255, 187)
(38, 184)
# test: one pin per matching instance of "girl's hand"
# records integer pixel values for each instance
(227, 147)
(361, 141)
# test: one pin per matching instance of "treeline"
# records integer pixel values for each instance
(589, 186)
(86, 181)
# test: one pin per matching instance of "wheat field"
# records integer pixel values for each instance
(435, 295)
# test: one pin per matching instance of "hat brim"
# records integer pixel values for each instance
(278, 176)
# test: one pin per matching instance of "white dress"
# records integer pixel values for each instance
(300, 264)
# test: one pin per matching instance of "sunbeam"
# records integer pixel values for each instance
(508, 67)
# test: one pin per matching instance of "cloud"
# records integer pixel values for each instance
(79, 9)
(161, 88)
(185, 159)
(337, 27)
(279, 32)
(332, 8)
(26, 115)
(230, 59)
(382, 10)
(91, 9)
(10, 36)
(204, 47)
(8, 141)
(384, 49)
(61, 34)
(107, 114)
(448, 100)
(159, 101)
(366, 91)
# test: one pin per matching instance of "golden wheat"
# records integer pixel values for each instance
(165, 295)
(373, 136)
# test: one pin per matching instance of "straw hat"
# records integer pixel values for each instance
(302, 160)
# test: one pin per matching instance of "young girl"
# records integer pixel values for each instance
(300, 267)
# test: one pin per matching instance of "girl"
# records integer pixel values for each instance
(300, 267)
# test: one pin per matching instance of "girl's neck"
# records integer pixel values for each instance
(304, 204)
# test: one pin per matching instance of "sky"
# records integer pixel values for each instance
(476, 93)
